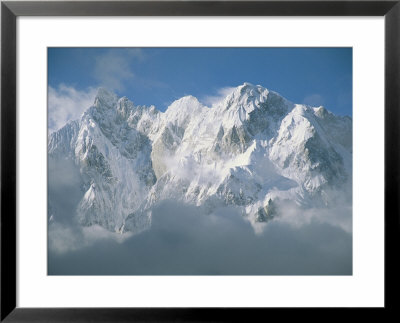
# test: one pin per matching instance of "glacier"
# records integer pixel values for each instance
(254, 150)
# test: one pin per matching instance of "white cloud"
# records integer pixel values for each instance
(339, 216)
(66, 237)
(183, 240)
(113, 68)
(222, 93)
(314, 100)
(65, 103)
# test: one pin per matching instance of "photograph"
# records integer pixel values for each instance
(199, 160)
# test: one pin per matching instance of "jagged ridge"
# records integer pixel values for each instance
(251, 150)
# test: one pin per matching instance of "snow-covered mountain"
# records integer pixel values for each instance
(253, 150)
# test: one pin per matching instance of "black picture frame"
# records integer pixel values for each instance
(10, 10)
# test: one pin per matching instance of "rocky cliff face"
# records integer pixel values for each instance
(252, 151)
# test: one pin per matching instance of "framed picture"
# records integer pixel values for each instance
(178, 160)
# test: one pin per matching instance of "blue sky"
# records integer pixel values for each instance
(158, 76)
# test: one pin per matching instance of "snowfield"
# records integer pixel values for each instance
(254, 151)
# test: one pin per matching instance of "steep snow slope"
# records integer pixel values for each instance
(251, 150)
(113, 159)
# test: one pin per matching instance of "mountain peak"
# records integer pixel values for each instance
(248, 90)
(187, 103)
(186, 99)
(321, 112)
(251, 150)
(105, 97)
(246, 96)
(246, 86)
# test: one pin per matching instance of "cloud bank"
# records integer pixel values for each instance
(113, 69)
(211, 100)
(65, 103)
(184, 241)
(314, 100)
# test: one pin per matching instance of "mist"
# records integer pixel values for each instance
(182, 240)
